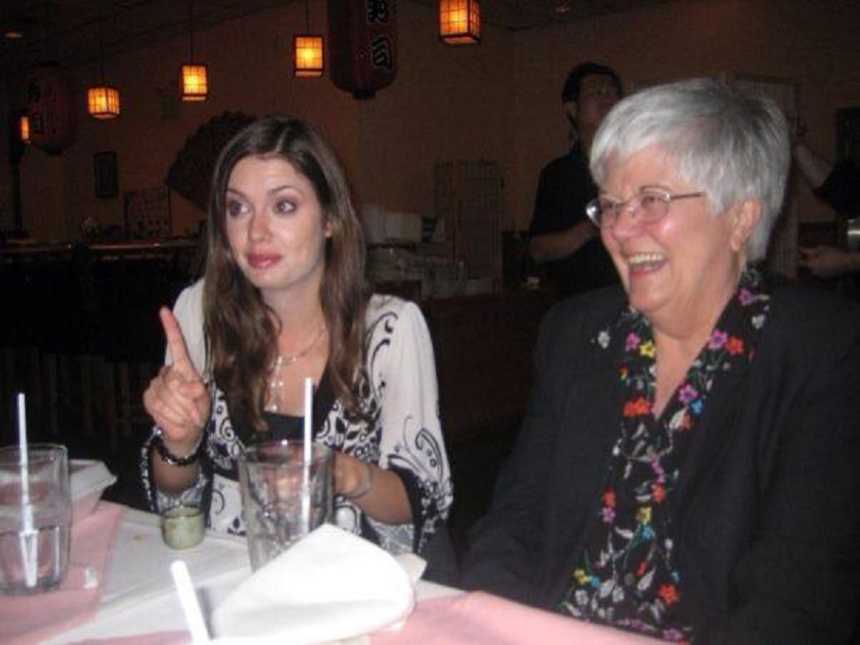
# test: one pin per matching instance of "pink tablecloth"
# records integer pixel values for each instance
(479, 618)
(29, 619)
(469, 619)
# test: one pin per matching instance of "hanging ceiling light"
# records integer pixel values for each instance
(24, 128)
(193, 77)
(308, 51)
(103, 100)
(460, 22)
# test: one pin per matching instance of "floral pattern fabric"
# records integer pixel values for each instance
(626, 575)
(397, 387)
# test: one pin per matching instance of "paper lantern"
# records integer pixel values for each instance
(50, 109)
(194, 82)
(362, 45)
(24, 128)
(103, 102)
(460, 22)
(193, 77)
(308, 53)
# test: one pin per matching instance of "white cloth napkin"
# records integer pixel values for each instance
(329, 586)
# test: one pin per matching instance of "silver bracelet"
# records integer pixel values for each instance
(366, 485)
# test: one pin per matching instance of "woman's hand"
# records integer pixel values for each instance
(829, 261)
(378, 492)
(350, 474)
(177, 399)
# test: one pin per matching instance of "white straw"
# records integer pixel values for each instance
(306, 470)
(22, 459)
(188, 600)
(309, 417)
(27, 538)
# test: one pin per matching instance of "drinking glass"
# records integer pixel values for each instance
(283, 497)
(35, 520)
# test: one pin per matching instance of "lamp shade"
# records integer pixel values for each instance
(194, 82)
(24, 128)
(309, 57)
(460, 22)
(103, 102)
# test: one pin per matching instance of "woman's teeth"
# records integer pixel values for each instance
(645, 260)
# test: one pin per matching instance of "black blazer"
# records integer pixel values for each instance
(767, 508)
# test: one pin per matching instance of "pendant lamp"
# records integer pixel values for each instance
(460, 22)
(193, 77)
(24, 128)
(308, 51)
(103, 100)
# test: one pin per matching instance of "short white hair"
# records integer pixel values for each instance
(732, 146)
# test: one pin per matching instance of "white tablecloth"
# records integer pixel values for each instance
(138, 595)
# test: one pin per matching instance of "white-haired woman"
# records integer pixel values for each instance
(686, 468)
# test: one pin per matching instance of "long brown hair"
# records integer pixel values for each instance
(240, 329)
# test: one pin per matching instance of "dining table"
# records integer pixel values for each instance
(119, 590)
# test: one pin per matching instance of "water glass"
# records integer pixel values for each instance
(35, 520)
(283, 497)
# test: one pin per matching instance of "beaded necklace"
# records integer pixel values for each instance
(276, 382)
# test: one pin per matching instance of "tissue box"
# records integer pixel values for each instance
(89, 479)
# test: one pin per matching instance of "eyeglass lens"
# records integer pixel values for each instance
(647, 206)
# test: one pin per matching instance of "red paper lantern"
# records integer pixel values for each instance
(362, 45)
(50, 108)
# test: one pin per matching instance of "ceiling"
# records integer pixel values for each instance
(74, 32)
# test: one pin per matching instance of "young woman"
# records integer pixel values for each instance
(284, 297)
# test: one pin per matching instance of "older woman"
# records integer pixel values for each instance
(686, 468)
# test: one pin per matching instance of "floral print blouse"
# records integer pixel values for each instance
(398, 388)
(627, 575)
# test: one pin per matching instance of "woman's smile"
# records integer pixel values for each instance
(641, 263)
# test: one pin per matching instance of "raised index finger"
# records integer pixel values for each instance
(176, 344)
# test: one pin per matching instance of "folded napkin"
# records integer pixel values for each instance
(331, 585)
(30, 619)
(480, 618)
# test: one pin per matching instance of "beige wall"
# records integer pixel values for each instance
(814, 44)
(497, 101)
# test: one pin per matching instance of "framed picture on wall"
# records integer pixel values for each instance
(105, 174)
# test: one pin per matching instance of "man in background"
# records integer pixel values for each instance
(563, 241)
(838, 186)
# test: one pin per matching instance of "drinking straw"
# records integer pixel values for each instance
(309, 412)
(27, 538)
(306, 469)
(188, 600)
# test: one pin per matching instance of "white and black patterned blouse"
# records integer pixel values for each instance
(397, 387)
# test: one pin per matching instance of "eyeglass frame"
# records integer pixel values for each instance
(592, 208)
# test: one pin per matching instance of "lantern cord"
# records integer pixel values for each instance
(191, 30)
(102, 48)
(307, 16)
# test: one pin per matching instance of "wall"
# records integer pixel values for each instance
(434, 110)
(812, 43)
(498, 101)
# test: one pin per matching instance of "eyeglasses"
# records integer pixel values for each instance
(650, 205)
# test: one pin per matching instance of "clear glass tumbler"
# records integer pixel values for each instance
(35, 518)
(283, 497)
